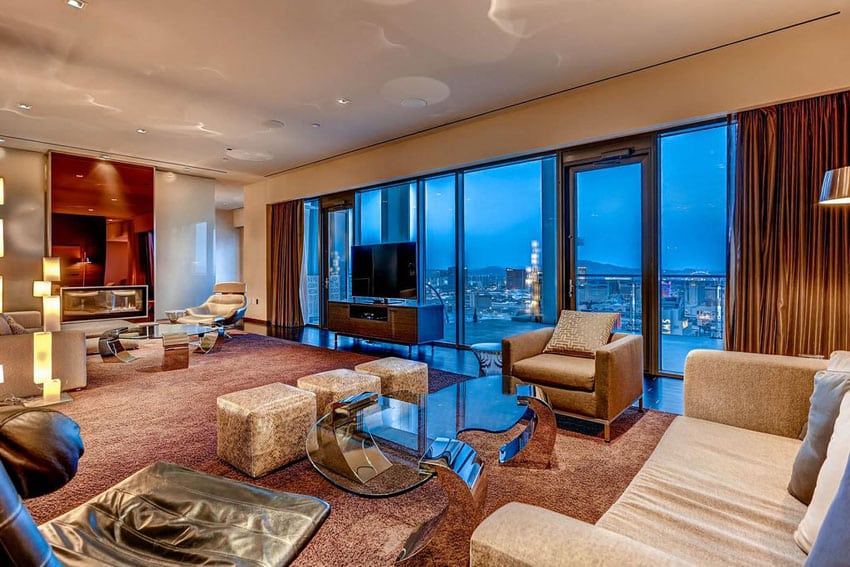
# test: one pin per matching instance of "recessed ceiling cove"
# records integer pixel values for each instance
(200, 76)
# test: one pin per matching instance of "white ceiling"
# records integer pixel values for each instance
(202, 76)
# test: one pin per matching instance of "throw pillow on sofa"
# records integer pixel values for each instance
(5, 329)
(839, 360)
(580, 333)
(17, 328)
(828, 481)
(833, 542)
(830, 389)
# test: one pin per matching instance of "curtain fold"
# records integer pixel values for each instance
(789, 282)
(286, 246)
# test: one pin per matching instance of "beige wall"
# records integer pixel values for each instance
(23, 217)
(796, 63)
(228, 248)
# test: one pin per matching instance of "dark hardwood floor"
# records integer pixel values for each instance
(664, 394)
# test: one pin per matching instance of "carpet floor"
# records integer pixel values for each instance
(134, 414)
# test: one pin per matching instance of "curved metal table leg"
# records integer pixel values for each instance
(533, 446)
(461, 473)
(110, 348)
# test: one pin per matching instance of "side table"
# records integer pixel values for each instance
(489, 357)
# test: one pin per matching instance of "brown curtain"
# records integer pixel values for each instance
(286, 244)
(789, 272)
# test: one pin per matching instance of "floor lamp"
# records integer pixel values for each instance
(42, 343)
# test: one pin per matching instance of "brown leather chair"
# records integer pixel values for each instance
(595, 389)
(164, 514)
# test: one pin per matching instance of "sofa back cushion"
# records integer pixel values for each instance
(5, 329)
(833, 542)
(830, 389)
(828, 481)
(580, 333)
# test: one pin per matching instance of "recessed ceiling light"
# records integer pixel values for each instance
(104, 156)
(78, 4)
(414, 102)
(24, 106)
(79, 176)
(91, 210)
(113, 199)
(315, 124)
(343, 100)
(141, 131)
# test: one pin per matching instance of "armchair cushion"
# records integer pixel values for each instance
(557, 370)
(580, 333)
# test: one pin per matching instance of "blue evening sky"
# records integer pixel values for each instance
(503, 210)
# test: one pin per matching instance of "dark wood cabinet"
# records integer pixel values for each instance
(405, 324)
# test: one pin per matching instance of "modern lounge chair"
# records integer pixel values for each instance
(225, 307)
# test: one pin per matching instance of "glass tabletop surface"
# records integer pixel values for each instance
(159, 330)
(373, 449)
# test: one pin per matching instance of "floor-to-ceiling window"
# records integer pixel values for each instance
(441, 249)
(692, 201)
(386, 214)
(507, 249)
(608, 241)
(310, 264)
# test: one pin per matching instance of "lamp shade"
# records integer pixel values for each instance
(50, 305)
(40, 288)
(51, 269)
(42, 356)
(836, 187)
(2, 248)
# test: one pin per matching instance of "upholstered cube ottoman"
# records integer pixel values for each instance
(334, 385)
(398, 374)
(261, 429)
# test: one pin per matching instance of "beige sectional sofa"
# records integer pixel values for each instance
(714, 491)
(16, 356)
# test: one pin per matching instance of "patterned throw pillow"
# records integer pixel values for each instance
(5, 329)
(580, 333)
(17, 328)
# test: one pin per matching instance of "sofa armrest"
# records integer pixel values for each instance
(524, 345)
(69, 362)
(619, 375)
(762, 392)
(520, 535)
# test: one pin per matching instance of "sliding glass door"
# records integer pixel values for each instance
(607, 240)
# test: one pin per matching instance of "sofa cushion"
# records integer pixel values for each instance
(828, 479)
(830, 388)
(557, 370)
(714, 494)
(5, 329)
(580, 333)
(830, 548)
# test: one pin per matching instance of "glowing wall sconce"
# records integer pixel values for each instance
(51, 269)
(42, 356)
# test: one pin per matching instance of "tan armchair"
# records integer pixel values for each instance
(594, 389)
(227, 306)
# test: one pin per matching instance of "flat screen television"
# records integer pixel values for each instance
(384, 270)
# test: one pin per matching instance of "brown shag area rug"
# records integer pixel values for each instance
(134, 414)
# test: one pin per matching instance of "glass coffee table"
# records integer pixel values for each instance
(381, 446)
(175, 342)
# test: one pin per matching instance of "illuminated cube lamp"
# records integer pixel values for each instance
(51, 269)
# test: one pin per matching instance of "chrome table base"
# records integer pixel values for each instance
(532, 448)
(461, 473)
(110, 348)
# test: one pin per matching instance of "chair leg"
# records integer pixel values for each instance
(640, 404)
(607, 431)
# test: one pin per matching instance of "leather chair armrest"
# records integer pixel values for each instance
(524, 345)
(199, 311)
(619, 374)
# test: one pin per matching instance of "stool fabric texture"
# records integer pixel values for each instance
(398, 374)
(334, 385)
(262, 429)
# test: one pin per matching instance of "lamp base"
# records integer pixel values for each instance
(38, 401)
